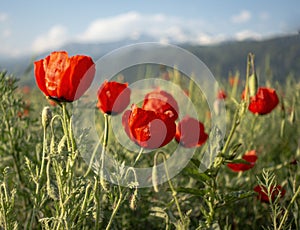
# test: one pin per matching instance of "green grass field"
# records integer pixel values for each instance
(45, 184)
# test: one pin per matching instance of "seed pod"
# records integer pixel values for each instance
(253, 84)
(46, 116)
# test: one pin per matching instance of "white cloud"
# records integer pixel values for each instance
(53, 39)
(3, 17)
(242, 17)
(6, 33)
(247, 34)
(133, 25)
(112, 28)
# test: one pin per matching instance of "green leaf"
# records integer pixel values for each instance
(196, 174)
(237, 195)
(233, 150)
(192, 191)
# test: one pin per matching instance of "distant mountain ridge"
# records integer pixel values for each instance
(280, 55)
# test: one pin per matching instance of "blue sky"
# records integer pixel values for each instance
(28, 27)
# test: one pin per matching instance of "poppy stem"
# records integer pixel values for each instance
(138, 156)
(93, 157)
(232, 131)
(174, 193)
(105, 140)
(65, 124)
(116, 208)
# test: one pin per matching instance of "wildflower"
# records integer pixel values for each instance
(250, 157)
(24, 111)
(147, 128)
(221, 95)
(113, 97)
(233, 80)
(190, 133)
(26, 89)
(263, 102)
(63, 78)
(275, 191)
(160, 101)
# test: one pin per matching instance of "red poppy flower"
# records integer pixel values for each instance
(160, 101)
(25, 110)
(147, 128)
(64, 78)
(113, 97)
(263, 193)
(250, 157)
(221, 94)
(233, 80)
(190, 133)
(263, 102)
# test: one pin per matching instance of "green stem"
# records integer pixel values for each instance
(116, 208)
(101, 168)
(138, 156)
(65, 124)
(235, 124)
(240, 111)
(92, 158)
(39, 176)
(104, 145)
(210, 203)
(174, 193)
(289, 206)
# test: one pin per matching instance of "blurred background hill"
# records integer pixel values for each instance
(279, 56)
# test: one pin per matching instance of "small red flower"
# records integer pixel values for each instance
(25, 110)
(263, 193)
(147, 128)
(64, 78)
(190, 133)
(233, 80)
(160, 101)
(263, 102)
(113, 97)
(250, 157)
(221, 94)
(26, 89)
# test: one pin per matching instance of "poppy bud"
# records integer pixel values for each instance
(292, 117)
(155, 178)
(46, 116)
(253, 84)
(133, 200)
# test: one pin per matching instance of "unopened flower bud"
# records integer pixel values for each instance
(133, 200)
(292, 117)
(155, 178)
(253, 85)
(46, 116)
